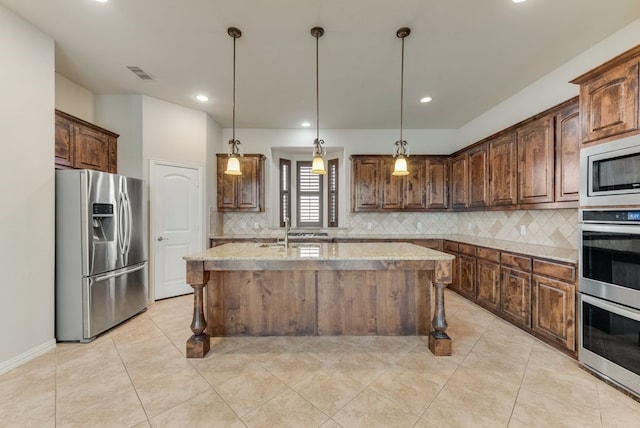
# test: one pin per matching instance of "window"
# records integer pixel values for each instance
(307, 195)
(309, 187)
(332, 197)
(285, 190)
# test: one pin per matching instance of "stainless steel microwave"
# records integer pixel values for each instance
(610, 173)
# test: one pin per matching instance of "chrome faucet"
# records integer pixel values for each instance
(286, 233)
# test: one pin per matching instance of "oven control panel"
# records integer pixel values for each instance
(611, 216)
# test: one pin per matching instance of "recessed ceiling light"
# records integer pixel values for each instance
(518, 1)
(426, 100)
(202, 98)
(305, 124)
(102, 1)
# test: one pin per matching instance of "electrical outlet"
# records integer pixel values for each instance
(368, 226)
(256, 225)
(523, 230)
(419, 225)
(469, 226)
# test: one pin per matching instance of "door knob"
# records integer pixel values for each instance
(162, 238)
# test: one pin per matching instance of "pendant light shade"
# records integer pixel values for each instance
(233, 163)
(317, 166)
(401, 151)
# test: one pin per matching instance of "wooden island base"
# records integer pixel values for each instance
(294, 296)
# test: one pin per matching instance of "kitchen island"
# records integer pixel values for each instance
(254, 289)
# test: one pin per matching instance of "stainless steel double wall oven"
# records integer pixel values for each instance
(609, 258)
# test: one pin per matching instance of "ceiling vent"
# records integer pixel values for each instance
(139, 72)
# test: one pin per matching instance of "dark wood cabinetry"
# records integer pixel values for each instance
(467, 271)
(515, 288)
(488, 279)
(610, 98)
(82, 145)
(567, 127)
(375, 189)
(503, 170)
(535, 142)
(451, 247)
(437, 170)
(460, 180)
(554, 302)
(479, 176)
(241, 192)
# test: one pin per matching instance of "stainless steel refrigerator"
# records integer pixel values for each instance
(101, 255)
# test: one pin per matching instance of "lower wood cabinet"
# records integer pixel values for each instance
(515, 292)
(467, 271)
(488, 279)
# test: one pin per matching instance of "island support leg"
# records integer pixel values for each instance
(199, 344)
(439, 341)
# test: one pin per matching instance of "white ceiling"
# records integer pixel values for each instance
(468, 55)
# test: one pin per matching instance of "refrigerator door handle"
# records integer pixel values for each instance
(121, 224)
(117, 274)
(129, 222)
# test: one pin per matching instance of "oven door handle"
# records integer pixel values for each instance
(612, 307)
(610, 228)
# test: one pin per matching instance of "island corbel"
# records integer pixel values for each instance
(198, 344)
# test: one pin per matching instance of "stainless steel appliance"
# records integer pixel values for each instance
(101, 256)
(610, 294)
(610, 173)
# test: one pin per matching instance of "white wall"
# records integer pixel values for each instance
(27, 190)
(122, 114)
(74, 99)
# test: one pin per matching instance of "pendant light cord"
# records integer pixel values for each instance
(317, 93)
(234, 92)
(401, 90)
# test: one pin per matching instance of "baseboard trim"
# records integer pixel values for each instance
(27, 356)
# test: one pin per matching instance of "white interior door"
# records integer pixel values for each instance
(176, 219)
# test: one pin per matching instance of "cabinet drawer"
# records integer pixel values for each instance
(450, 246)
(469, 250)
(488, 254)
(516, 261)
(562, 271)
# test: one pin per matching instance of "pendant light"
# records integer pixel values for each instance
(401, 152)
(233, 162)
(317, 166)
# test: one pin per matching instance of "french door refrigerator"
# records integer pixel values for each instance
(101, 255)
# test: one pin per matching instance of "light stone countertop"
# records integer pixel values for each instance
(566, 255)
(387, 251)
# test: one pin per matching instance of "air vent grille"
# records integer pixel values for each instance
(139, 72)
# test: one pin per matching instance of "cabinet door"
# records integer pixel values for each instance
(467, 276)
(609, 103)
(515, 294)
(460, 181)
(113, 155)
(438, 180)
(64, 142)
(392, 186)
(488, 286)
(415, 185)
(365, 189)
(478, 176)
(91, 149)
(567, 153)
(249, 184)
(227, 187)
(535, 166)
(503, 167)
(554, 304)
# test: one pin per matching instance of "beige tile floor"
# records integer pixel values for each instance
(137, 376)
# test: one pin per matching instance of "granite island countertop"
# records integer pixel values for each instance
(320, 251)
(566, 255)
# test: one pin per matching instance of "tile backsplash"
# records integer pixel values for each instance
(556, 228)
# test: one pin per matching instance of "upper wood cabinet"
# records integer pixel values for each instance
(241, 192)
(535, 142)
(80, 144)
(460, 180)
(567, 126)
(479, 176)
(503, 170)
(437, 170)
(374, 188)
(610, 98)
